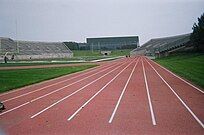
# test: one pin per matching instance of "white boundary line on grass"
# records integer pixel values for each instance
(184, 104)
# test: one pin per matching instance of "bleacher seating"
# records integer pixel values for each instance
(34, 50)
(7, 45)
(160, 45)
(42, 50)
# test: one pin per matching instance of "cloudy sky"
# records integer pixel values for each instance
(74, 20)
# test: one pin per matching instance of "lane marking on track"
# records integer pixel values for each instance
(35, 115)
(14, 108)
(49, 86)
(80, 108)
(185, 105)
(35, 99)
(179, 77)
(149, 97)
(121, 95)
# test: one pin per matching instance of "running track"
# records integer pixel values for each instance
(129, 96)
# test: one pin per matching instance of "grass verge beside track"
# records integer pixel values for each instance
(89, 55)
(189, 66)
(79, 53)
(33, 64)
(12, 79)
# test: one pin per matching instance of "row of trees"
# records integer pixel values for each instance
(197, 36)
(76, 46)
(72, 45)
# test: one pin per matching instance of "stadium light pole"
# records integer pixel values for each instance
(92, 47)
(17, 36)
(16, 28)
(99, 46)
(0, 45)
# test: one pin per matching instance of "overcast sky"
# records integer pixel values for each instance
(74, 20)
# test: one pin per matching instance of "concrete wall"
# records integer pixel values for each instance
(44, 56)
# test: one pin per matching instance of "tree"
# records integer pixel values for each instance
(197, 37)
(72, 45)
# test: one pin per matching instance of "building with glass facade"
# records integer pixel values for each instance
(113, 43)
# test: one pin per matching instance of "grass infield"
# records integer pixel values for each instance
(189, 66)
(32, 64)
(79, 53)
(89, 55)
(12, 79)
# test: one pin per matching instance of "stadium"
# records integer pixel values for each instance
(76, 94)
(163, 46)
(27, 50)
(74, 91)
(140, 70)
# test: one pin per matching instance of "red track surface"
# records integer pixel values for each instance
(126, 96)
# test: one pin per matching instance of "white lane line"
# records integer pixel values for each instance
(179, 77)
(185, 105)
(48, 86)
(14, 108)
(121, 95)
(148, 95)
(73, 93)
(69, 85)
(75, 113)
(35, 99)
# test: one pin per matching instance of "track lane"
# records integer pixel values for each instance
(122, 93)
(67, 105)
(56, 88)
(87, 124)
(78, 110)
(94, 118)
(36, 106)
(26, 89)
(172, 116)
(132, 115)
(78, 90)
(192, 97)
(178, 77)
(148, 95)
(46, 84)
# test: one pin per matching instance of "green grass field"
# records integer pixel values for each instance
(32, 64)
(88, 55)
(11, 79)
(189, 66)
(79, 56)
(97, 53)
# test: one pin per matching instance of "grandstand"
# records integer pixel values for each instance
(34, 50)
(7, 45)
(162, 46)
